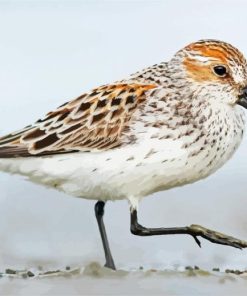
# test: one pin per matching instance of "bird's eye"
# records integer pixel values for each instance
(220, 70)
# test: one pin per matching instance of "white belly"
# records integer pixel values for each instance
(116, 174)
(130, 172)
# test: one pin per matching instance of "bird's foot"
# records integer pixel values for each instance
(110, 266)
(215, 237)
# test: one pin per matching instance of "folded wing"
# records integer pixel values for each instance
(92, 122)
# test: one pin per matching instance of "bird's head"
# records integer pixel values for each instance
(215, 67)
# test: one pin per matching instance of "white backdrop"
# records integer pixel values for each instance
(53, 51)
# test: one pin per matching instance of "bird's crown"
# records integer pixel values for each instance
(213, 60)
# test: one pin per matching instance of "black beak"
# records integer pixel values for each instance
(242, 98)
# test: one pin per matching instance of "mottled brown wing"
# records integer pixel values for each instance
(92, 122)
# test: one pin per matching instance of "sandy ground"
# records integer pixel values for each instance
(97, 280)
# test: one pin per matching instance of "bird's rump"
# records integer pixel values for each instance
(91, 122)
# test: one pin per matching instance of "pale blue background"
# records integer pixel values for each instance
(52, 51)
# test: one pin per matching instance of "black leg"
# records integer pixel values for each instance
(99, 213)
(193, 230)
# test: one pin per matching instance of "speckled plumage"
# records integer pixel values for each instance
(168, 125)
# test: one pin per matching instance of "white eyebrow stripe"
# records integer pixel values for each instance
(195, 56)
(202, 59)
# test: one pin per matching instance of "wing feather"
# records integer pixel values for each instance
(91, 122)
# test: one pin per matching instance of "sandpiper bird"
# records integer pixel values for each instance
(168, 125)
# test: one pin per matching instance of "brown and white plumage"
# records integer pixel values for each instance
(93, 121)
(168, 125)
